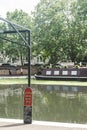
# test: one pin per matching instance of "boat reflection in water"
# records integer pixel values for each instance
(50, 102)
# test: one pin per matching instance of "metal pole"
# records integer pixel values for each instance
(13, 26)
(13, 23)
(29, 64)
(28, 91)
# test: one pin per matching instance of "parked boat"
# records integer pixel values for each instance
(63, 74)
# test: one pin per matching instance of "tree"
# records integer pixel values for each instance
(49, 21)
(59, 31)
(16, 51)
(78, 29)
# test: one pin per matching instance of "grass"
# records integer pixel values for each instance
(59, 82)
(13, 81)
(33, 81)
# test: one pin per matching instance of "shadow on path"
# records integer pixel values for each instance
(12, 125)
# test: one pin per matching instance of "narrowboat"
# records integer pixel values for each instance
(63, 74)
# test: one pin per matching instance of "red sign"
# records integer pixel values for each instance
(28, 97)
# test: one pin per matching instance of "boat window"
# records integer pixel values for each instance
(64, 72)
(56, 72)
(73, 72)
(48, 72)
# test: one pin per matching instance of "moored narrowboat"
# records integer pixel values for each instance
(63, 74)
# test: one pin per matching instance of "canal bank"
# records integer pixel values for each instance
(11, 124)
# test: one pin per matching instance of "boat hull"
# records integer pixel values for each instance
(63, 78)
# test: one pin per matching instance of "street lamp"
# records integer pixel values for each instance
(28, 90)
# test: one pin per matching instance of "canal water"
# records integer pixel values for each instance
(55, 103)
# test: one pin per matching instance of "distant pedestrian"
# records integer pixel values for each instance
(21, 71)
(10, 72)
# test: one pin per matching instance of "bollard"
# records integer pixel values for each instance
(28, 105)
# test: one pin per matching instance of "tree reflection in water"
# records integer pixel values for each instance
(50, 102)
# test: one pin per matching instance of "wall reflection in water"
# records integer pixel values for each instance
(50, 102)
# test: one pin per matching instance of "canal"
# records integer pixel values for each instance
(57, 103)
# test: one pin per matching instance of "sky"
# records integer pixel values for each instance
(10, 5)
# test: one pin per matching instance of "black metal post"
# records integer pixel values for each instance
(28, 91)
(29, 64)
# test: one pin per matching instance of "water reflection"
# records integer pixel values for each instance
(11, 101)
(60, 103)
(50, 102)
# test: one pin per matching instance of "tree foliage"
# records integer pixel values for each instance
(17, 51)
(58, 31)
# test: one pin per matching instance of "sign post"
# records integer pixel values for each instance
(28, 105)
(26, 41)
(28, 92)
